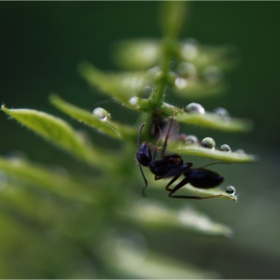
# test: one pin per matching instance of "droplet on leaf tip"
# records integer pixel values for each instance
(101, 113)
(230, 190)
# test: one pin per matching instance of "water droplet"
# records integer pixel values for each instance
(195, 108)
(240, 151)
(208, 143)
(133, 100)
(186, 69)
(230, 190)
(189, 50)
(101, 113)
(154, 72)
(191, 140)
(181, 83)
(225, 148)
(221, 112)
(213, 74)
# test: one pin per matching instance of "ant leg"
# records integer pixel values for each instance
(166, 138)
(210, 163)
(183, 183)
(156, 146)
(171, 182)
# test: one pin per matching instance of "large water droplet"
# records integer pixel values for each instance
(230, 190)
(195, 108)
(225, 148)
(208, 143)
(101, 113)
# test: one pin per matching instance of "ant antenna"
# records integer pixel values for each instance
(138, 146)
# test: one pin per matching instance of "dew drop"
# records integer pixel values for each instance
(133, 100)
(225, 148)
(181, 83)
(189, 49)
(222, 112)
(186, 69)
(208, 143)
(195, 108)
(154, 72)
(230, 190)
(191, 140)
(101, 113)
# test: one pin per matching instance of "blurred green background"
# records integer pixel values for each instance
(41, 46)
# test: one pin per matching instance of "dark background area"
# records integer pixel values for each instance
(41, 46)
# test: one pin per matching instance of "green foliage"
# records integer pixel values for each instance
(90, 212)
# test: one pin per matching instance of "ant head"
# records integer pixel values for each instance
(143, 154)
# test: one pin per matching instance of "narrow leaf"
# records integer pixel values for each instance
(158, 216)
(122, 86)
(84, 116)
(135, 261)
(55, 130)
(193, 88)
(137, 54)
(194, 150)
(62, 185)
(213, 121)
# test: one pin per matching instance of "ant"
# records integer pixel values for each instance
(173, 166)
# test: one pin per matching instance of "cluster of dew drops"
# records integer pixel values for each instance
(209, 142)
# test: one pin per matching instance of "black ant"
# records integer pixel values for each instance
(173, 166)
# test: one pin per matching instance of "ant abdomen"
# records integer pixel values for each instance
(203, 178)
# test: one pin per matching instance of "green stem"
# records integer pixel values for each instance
(157, 94)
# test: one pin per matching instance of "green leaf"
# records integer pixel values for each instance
(209, 120)
(135, 261)
(137, 54)
(84, 116)
(193, 88)
(194, 150)
(58, 183)
(156, 215)
(121, 86)
(214, 121)
(56, 131)
(224, 58)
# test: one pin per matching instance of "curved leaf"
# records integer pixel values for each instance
(194, 150)
(121, 86)
(213, 121)
(137, 54)
(84, 116)
(135, 261)
(55, 130)
(158, 216)
(61, 184)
